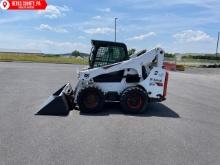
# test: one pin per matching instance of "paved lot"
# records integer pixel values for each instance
(185, 129)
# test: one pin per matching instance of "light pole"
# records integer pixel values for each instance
(115, 28)
(217, 45)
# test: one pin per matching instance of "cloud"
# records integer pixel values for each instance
(192, 36)
(53, 11)
(16, 18)
(99, 30)
(81, 37)
(144, 4)
(46, 27)
(97, 17)
(159, 45)
(62, 44)
(107, 10)
(57, 47)
(142, 36)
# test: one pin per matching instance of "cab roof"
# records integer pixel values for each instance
(99, 43)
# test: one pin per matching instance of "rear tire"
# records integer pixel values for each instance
(134, 100)
(90, 100)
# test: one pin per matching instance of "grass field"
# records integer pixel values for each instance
(192, 62)
(43, 59)
(72, 60)
(196, 62)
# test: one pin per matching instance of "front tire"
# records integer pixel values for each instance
(90, 100)
(134, 100)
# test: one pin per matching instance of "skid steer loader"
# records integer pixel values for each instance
(113, 77)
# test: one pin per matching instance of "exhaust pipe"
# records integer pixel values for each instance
(60, 103)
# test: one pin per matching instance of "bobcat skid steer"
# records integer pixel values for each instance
(113, 77)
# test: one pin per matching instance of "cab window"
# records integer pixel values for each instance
(109, 55)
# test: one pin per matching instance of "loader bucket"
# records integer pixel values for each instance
(58, 104)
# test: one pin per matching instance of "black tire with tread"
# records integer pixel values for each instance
(81, 95)
(124, 100)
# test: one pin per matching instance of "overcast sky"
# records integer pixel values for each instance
(176, 26)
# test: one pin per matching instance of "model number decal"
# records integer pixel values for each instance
(157, 80)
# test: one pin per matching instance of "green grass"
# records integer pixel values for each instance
(84, 61)
(197, 62)
(193, 62)
(42, 59)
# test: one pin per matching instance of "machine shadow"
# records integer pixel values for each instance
(154, 109)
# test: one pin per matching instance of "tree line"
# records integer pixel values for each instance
(205, 57)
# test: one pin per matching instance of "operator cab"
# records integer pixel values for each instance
(106, 53)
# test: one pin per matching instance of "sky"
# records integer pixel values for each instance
(180, 26)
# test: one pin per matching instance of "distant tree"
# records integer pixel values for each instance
(170, 55)
(75, 53)
(203, 57)
(131, 51)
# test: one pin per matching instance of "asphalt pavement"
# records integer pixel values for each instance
(183, 130)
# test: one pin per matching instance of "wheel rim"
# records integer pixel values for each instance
(91, 100)
(135, 101)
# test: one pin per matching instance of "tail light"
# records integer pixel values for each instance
(165, 84)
